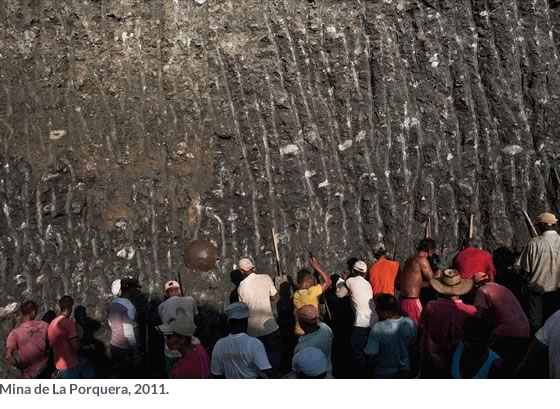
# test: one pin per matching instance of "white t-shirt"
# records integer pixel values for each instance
(239, 356)
(171, 308)
(549, 335)
(255, 291)
(362, 299)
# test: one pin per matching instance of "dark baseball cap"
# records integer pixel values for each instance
(130, 282)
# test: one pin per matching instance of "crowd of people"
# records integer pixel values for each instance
(428, 319)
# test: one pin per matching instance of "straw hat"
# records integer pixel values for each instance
(451, 283)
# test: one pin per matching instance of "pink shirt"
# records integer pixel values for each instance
(442, 325)
(511, 321)
(30, 341)
(61, 331)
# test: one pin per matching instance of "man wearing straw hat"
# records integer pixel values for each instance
(442, 321)
(540, 261)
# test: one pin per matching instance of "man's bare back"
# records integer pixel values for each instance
(416, 273)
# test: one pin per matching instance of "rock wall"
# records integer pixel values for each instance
(129, 127)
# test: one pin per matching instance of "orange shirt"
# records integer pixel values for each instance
(382, 276)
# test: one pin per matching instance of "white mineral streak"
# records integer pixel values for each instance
(126, 252)
(8, 309)
(289, 149)
(449, 156)
(57, 134)
(324, 184)
(345, 145)
(512, 150)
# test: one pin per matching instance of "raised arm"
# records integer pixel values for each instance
(326, 279)
(426, 270)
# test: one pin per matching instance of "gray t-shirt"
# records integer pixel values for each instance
(390, 340)
(321, 339)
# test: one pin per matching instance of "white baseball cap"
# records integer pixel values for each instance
(245, 264)
(171, 284)
(360, 266)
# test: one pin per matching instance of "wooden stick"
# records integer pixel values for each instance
(428, 232)
(532, 231)
(276, 255)
(471, 227)
(180, 283)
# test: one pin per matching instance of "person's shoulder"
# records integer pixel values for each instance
(406, 322)
(325, 327)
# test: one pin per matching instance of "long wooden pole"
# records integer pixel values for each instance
(532, 231)
(428, 232)
(471, 227)
(276, 255)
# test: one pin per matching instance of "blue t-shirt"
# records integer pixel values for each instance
(390, 340)
(321, 339)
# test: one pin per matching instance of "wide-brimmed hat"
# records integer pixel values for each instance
(451, 283)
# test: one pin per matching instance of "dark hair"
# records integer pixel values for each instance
(380, 253)
(427, 245)
(236, 276)
(469, 243)
(302, 275)
(80, 313)
(387, 302)
(28, 307)
(66, 302)
(49, 316)
(477, 327)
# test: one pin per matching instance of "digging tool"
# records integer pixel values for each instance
(324, 296)
(428, 230)
(471, 226)
(276, 255)
(395, 251)
(532, 231)
(280, 278)
(180, 281)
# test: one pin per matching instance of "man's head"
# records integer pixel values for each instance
(29, 310)
(386, 306)
(66, 304)
(379, 251)
(476, 333)
(172, 289)
(308, 318)
(238, 317)
(480, 279)
(304, 279)
(546, 222)
(310, 363)
(246, 267)
(359, 268)
(468, 243)
(130, 287)
(427, 245)
(178, 331)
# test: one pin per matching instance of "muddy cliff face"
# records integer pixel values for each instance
(129, 127)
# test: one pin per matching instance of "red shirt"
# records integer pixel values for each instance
(472, 260)
(511, 321)
(29, 339)
(442, 325)
(194, 365)
(382, 276)
(61, 331)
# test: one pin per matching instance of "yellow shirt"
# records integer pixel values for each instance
(309, 296)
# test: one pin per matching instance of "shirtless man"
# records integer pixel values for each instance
(416, 274)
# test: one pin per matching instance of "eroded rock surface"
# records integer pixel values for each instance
(128, 127)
